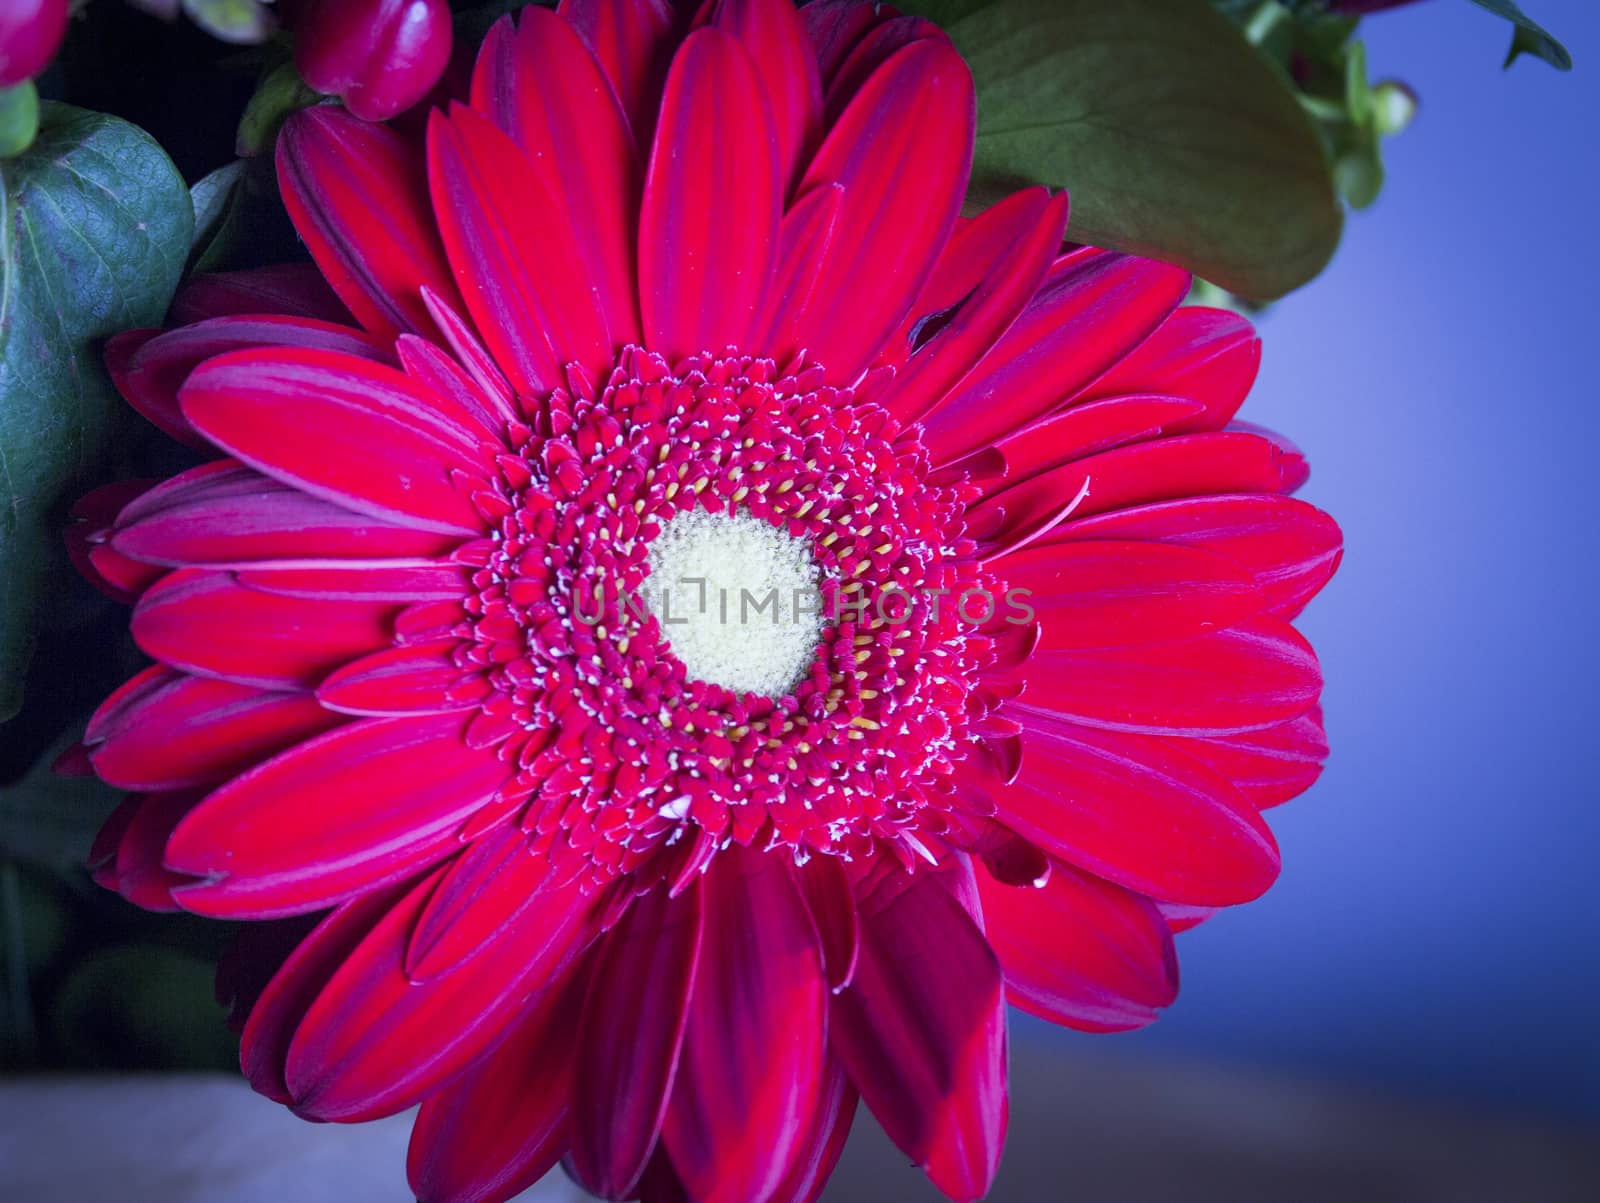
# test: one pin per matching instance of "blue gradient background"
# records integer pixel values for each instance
(1435, 929)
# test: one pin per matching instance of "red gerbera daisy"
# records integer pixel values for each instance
(676, 316)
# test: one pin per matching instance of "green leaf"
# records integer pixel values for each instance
(1175, 138)
(50, 820)
(280, 93)
(142, 1006)
(210, 197)
(94, 225)
(1529, 37)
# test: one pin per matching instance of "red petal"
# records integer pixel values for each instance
(803, 240)
(750, 1073)
(1209, 355)
(708, 234)
(1132, 810)
(362, 581)
(296, 289)
(1291, 548)
(138, 873)
(514, 243)
(642, 978)
(1087, 429)
(876, 46)
(107, 569)
(1162, 470)
(1106, 594)
(1093, 308)
(165, 731)
(503, 1124)
(1008, 277)
(774, 34)
(208, 624)
(633, 40)
(486, 888)
(375, 1042)
(225, 515)
(383, 447)
(359, 806)
(836, 27)
(276, 1015)
(1080, 951)
(830, 1127)
(152, 374)
(544, 87)
(416, 679)
(833, 910)
(1270, 766)
(1257, 674)
(902, 149)
(357, 194)
(922, 1030)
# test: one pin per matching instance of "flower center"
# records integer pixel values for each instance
(737, 600)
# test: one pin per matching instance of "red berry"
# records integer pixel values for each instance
(379, 56)
(30, 34)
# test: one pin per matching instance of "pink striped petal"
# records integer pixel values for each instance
(1088, 429)
(1208, 355)
(362, 805)
(1164, 469)
(774, 34)
(644, 973)
(836, 27)
(633, 41)
(110, 571)
(1080, 951)
(1290, 548)
(415, 679)
(276, 1015)
(1134, 811)
(803, 240)
(876, 46)
(362, 581)
(208, 624)
(137, 872)
(375, 1042)
(985, 311)
(383, 448)
(820, 1149)
(1125, 594)
(152, 375)
(1254, 675)
(357, 194)
(1269, 766)
(750, 1073)
(167, 731)
(902, 149)
(544, 87)
(502, 1125)
(833, 911)
(225, 515)
(708, 233)
(514, 245)
(922, 1030)
(1093, 308)
(297, 289)
(486, 889)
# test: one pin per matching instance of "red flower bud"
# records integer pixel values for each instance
(30, 34)
(379, 56)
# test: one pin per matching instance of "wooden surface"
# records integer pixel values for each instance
(1086, 1128)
